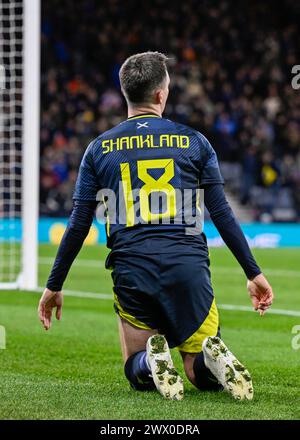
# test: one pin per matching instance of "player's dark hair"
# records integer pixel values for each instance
(142, 74)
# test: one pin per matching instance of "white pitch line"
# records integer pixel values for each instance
(79, 262)
(94, 295)
(267, 271)
(81, 294)
(227, 270)
(250, 309)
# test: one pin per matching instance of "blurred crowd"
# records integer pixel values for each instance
(230, 74)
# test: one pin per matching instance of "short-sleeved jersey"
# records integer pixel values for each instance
(143, 157)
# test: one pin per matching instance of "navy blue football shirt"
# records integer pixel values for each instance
(144, 156)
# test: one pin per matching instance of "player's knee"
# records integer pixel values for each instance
(204, 380)
(137, 381)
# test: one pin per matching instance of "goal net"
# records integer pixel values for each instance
(19, 144)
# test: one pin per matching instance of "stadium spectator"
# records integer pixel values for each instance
(231, 76)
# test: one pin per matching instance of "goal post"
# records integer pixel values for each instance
(19, 143)
(31, 144)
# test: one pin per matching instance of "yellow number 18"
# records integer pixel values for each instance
(150, 185)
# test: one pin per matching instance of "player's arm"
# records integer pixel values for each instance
(214, 197)
(221, 214)
(72, 241)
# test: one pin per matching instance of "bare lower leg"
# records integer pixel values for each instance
(133, 345)
(146, 372)
(188, 363)
(198, 373)
(132, 339)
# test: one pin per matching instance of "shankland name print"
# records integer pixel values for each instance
(145, 141)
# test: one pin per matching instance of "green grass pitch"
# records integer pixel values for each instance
(75, 371)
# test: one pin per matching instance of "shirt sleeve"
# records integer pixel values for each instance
(209, 167)
(87, 185)
(229, 229)
(71, 243)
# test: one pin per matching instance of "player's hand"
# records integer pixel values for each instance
(261, 293)
(49, 301)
